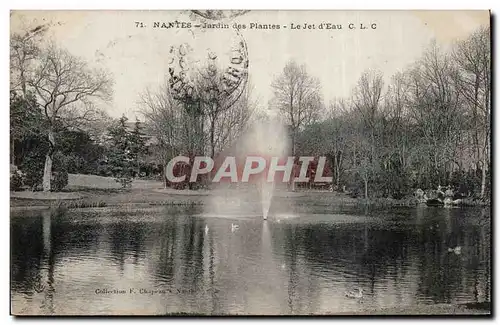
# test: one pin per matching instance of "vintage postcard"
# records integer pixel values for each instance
(242, 162)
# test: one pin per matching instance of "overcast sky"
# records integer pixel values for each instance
(139, 57)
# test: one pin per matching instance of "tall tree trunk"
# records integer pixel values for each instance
(484, 165)
(333, 161)
(165, 180)
(338, 167)
(47, 171)
(436, 167)
(366, 188)
(483, 179)
(138, 166)
(212, 138)
(12, 152)
(487, 141)
(293, 154)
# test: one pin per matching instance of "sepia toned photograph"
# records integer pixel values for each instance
(250, 163)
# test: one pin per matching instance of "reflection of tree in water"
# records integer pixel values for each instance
(178, 254)
(126, 239)
(484, 253)
(302, 287)
(215, 308)
(402, 254)
(35, 244)
(31, 251)
(70, 239)
(414, 253)
(167, 237)
(439, 270)
(192, 254)
(118, 241)
(364, 250)
(292, 245)
(49, 255)
(443, 274)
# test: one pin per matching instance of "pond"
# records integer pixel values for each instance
(178, 260)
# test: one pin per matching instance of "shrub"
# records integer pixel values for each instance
(125, 182)
(74, 164)
(103, 169)
(32, 167)
(82, 204)
(59, 178)
(59, 181)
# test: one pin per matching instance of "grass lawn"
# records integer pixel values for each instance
(94, 190)
(97, 191)
(79, 181)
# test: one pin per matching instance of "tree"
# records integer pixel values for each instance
(436, 111)
(24, 110)
(423, 131)
(137, 144)
(397, 135)
(25, 120)
(220, 100)
(181, 122)
(297, 97)
(168, 122)
(366, 101)
(473, 81)
(336, 131)
(24, 52)
(328, 138)
(120, 156)
(209, 92)
(63, 85)
(83, 154)
(232, 121)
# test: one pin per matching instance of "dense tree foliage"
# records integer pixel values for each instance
(426, 126)
(62, 85)
(429, 126)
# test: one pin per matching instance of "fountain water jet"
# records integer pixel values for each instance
(265, 139)
(271, 141)
(266, 194)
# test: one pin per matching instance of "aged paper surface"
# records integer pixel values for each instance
(391, 213)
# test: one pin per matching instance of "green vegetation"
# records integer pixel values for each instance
(425, 126)
(428, 126)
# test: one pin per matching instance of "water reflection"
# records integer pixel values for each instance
(299, 265)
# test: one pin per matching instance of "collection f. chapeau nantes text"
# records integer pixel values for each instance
(144, 291)
(257, 26)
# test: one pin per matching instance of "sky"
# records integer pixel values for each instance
(138, 58)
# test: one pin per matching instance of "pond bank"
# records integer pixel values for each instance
(482, 309)
(417, 310)
(82, 197)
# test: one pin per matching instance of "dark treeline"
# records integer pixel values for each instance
(116, 149)
(57, 125)
(197, 112)
(54, 100)
(428, 126)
